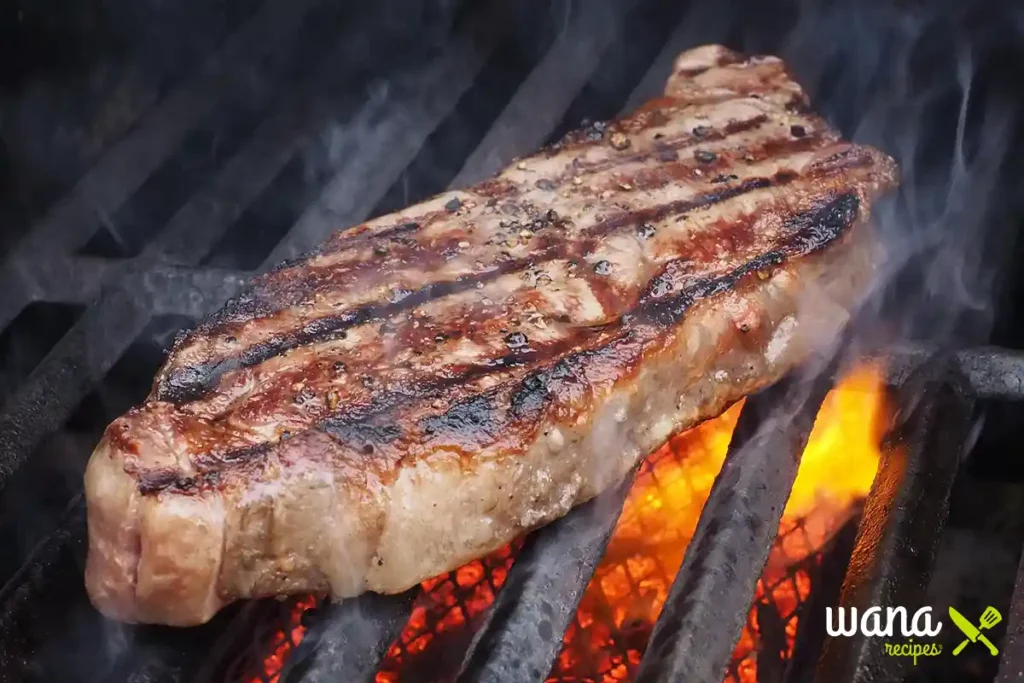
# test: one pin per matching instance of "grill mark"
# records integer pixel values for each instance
(700, 249)
(428, 256)
(813, 231)
(496, 188)
(276, 290)
(366, 433)
(476, 419)
(725, 59)
(151, 481)
(375, 422)
(656, 213)
(396, 232)
(191, 383)
(269, 296)
(675, 144)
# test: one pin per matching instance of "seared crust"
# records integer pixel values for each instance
(427, 386)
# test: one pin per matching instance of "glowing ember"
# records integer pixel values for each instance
(630, 586)
(284, 641)
(608, 637)
(445, 617)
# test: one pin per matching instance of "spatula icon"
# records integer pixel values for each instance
(989, 618)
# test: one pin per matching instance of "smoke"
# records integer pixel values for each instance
(932, 85)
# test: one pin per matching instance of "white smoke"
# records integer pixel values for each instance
(909, 79)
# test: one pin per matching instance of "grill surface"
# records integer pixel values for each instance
(355, 119)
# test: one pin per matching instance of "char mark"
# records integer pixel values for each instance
(157, 480)
(364, 433)
(725, 59)
(699, 136)
(191, 383)
(207, 476)
(471, 422)
(656, 213)
(810, 232)
(537, 388)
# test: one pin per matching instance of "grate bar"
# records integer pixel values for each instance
(349, 639)
(384, 138)
(542, 100)
(198, 225)
(521, 636)
(990, 372)
(79, 360)
(707, 607)
(903, 519)
(124, 168)
(827, 582)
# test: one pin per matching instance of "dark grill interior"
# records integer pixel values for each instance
(146, 174)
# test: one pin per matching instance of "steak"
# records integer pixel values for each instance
(429, 385)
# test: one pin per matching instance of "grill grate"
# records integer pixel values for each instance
(376, 137)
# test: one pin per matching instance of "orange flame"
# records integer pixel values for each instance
(624, 598)
(629, 588)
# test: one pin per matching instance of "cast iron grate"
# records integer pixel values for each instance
(178, 264)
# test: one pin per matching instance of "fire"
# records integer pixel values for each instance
(629, 588)
(284, 641)
(624, 598)
(842, 455)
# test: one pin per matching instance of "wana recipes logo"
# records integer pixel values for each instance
(895, 621)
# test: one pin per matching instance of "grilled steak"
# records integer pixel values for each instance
(427, 386)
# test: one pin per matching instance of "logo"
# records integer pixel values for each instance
(989, 618)
(895, 621)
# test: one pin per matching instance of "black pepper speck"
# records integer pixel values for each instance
(516, 340)
(545, 184)
(603, 268)
(380, 250)
(797, 131)
(453, 204)
(704, 156)
(701, 131)
(646, 230)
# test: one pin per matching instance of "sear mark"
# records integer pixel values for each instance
(473, 421)
(362, 433)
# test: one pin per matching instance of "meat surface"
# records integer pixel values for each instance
(427, 386)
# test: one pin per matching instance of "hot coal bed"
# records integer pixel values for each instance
(154, 156)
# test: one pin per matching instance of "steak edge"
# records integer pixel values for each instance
(426, 386)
